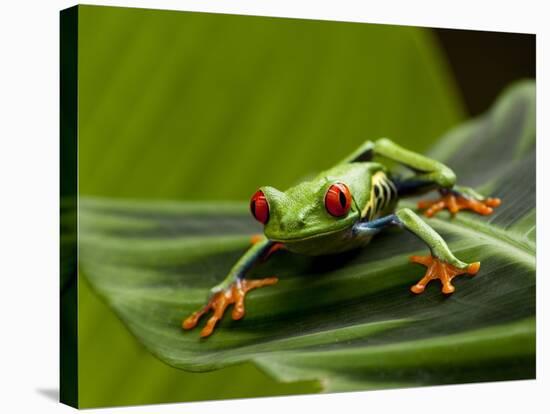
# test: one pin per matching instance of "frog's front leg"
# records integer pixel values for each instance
(233, 289)
(441, 264)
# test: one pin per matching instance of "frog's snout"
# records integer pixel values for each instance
(292, 224)
(300, 223)
(295, 224)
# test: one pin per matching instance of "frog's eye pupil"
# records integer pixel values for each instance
(259, 207)
(338, 200)
(343, 199)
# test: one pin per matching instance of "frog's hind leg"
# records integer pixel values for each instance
(428, 175)
(456, 200)
(441, 263)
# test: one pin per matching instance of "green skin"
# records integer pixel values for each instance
(299, 219)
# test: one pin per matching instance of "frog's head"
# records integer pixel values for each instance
(311, 209)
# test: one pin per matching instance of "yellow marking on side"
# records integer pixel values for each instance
(386, 184)
(376, 179)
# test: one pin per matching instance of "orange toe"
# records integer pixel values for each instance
(438, 269)
(473, 268)
(454, 203)
(219, 302)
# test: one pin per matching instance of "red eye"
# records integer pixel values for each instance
(259, 207)
(338, 199)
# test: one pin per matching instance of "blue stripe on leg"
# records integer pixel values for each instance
(374, 226)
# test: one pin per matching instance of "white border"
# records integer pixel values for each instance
(29, 81)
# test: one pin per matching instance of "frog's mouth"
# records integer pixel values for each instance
(309, 235)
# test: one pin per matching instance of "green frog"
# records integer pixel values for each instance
(343, 208)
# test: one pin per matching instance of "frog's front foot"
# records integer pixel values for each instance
(219, 302)
(454, 202)
(438, 269)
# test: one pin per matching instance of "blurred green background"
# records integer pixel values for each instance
(192, 106)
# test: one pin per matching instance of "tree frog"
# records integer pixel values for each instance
(341, 209)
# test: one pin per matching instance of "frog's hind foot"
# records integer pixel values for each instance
(218, 303)
(455, 202)
(438, 269)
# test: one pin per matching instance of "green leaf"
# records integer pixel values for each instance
(197, 106)
(348, 321)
